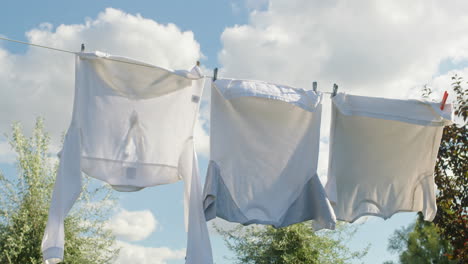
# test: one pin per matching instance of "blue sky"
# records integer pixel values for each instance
(207, 19)
(373, 48)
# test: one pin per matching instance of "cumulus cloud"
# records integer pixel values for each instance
(375, 48)
(40, 82)
(443, 83)
(378, 48)
(146, 255)
(132, 226)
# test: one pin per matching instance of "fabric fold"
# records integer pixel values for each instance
(66, 191)
(232, 88)
(198, 242)
(410, 111)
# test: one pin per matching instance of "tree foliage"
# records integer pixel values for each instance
(24, 203)
(420, 243)
(295, 244)
(451, 177)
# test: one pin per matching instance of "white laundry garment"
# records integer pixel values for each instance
(382, 156)
(132, 127)
(264, 153)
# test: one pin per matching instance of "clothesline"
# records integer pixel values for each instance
(243, 179)
(72, 52)
(36, 45)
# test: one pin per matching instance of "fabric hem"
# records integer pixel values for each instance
(428, 217)
(312, 107)
(283, 214)
(306, 107)
(52, 255)
(346, 110)
(136, 186)
(122, 186)
(385, 217)
(210, 205)
(121, 59)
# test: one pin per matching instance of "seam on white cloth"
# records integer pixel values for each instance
(129, 162)
(385, 217)
(278, 98)
(346, 109)
(122, 59)
(228, 95)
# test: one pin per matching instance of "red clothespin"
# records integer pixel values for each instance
(444, 99)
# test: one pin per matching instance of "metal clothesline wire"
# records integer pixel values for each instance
(36, 45)
(72, 52)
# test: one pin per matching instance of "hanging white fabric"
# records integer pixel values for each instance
(132, 127)
(382, 156)
(264, 152)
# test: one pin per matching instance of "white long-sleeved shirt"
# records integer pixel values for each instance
(264, 154)
(382, 156)
(132, 127)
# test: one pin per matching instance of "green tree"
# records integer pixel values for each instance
(420, 243)
(24, 203)
(294, 244)
(451, 177)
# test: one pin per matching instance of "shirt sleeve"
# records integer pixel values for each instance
(67, 189)
(198, 240)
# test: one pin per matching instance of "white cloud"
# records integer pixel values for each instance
(40, 82)
(132, 226)
(444, 83)
(146, 255)
(377, 48)
(256, 4)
